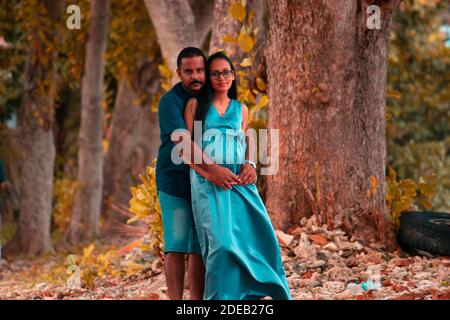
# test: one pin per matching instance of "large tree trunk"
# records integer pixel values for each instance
(327, 79)
(224, 24)
(88, 199)
(179, 25)
(134, 138)
(202, 10)
(174, 24)
(67, 128)
(38, 150)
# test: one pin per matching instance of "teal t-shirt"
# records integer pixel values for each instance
(172, 178)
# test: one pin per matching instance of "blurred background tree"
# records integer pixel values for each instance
(418, 101)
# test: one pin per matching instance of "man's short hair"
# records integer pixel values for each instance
(190, 52)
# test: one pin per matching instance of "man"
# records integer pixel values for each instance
(173, 184)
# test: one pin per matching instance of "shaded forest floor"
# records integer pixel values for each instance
(319, 264)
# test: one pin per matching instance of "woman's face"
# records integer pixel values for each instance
(221, 75)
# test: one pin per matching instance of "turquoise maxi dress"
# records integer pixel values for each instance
(238, 243)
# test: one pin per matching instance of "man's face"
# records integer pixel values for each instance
(192, 73)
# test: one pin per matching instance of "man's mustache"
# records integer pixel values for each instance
(195, 82)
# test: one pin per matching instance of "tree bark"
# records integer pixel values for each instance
(35, 119)
(202, 10)
(84, 223)
(224, 24)
(134, 139)
(175, 28)
(327, 80)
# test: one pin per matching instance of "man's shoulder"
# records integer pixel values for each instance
(170, 99)
(173, 94)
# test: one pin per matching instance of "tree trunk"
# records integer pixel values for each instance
(327, 80)
(38, 150)
(67, 135)
(224, 24)
(202, 10)
(84, 224)
(174, 24)
(134, 140)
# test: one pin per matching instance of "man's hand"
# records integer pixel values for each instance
(247, 174)
(221, 176)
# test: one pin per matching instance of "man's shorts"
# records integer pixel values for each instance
(178, 223)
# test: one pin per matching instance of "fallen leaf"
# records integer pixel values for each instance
(130, 246)
(153, 296)
(318, 239)
(283, 238)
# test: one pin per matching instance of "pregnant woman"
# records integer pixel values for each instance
(237, 241)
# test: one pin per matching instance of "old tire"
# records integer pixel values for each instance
(427, 231)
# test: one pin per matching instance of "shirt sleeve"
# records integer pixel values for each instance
(170, 115)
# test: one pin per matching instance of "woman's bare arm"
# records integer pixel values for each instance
(248, 173)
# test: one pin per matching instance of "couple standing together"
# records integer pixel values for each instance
(212, 210)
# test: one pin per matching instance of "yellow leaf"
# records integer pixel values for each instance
(71, 259)
(165, 71)
(87, 251)
(425, 202)
(393, 94)
(249, 97)
(133, 219)
(260, 84)
(401, 206)
(408, 187)
(227, 38)
(263, 101)
(237, 11)
(105, 145)
(373, 182)
(392, 175)
(426, 189)
(387, 116)
(247, 62)
(251, 16)
(246, 42)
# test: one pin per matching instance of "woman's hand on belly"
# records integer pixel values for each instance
(247, 174)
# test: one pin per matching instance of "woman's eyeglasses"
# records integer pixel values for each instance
(226, 74)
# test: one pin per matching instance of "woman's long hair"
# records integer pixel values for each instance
(206, 95)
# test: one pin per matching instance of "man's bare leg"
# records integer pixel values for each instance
(174, 270)
(196, 270)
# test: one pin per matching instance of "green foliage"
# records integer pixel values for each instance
(251, 81)
(145, 206)
(132, 38)
(406, 195)
(132, 43)
(63, 196)
(72, 49)
(427, 159)
(7, 232)
(12, 59)
(89, 266)
(418, 103)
